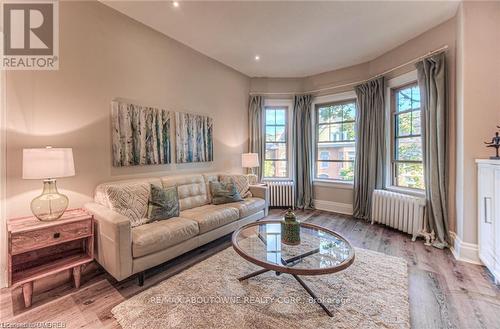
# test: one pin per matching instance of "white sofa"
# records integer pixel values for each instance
(124, 250)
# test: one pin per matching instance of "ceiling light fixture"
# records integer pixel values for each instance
(175, 4)
(257, 57)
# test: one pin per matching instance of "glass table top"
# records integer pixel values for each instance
(320, 250)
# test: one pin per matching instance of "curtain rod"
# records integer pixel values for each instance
(433, 52)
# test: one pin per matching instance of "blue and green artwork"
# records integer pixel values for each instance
(194, 138)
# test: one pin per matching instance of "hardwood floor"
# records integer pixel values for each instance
(443, 293)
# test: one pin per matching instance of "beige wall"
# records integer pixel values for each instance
(439, 36)
(103, 55)
(478, 102)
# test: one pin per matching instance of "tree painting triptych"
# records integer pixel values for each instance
(141, 135)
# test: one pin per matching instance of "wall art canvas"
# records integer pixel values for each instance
(141, 135)
(194, 138)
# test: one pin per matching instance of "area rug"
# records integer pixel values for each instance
(371, 293)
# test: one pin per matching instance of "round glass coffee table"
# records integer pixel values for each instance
(321, 251)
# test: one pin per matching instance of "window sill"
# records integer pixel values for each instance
(408, 191)
(333, 184)
(277, 179)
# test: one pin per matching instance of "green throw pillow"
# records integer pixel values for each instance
(224, 193)
(163, 203)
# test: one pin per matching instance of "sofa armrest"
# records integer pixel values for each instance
(261, 191)
(114, 240)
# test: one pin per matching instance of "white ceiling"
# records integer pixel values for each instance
(293, 39)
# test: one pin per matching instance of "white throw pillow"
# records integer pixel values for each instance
(130, 200)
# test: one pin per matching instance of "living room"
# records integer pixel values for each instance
(248, 164)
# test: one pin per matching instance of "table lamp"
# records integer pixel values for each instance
(48, 164)
(250, 160)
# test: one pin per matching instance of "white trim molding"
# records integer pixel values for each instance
(338, 207)
(464, 251)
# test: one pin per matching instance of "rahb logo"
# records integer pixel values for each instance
(30, 35)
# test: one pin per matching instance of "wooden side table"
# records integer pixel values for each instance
(38, 249)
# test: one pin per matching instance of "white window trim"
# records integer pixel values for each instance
(322, 100)
(288, 103)
(396, 82)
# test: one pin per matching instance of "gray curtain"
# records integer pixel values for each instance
(256, 130)
(432, 83)
(370, 146)
(303, 151)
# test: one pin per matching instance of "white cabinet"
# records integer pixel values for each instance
(488, 205)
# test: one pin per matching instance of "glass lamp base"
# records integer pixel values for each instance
(50, 205)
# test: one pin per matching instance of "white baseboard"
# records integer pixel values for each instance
(338, 207)
(464, 251)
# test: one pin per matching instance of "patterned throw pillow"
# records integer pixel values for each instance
(163, 203)
(224, 193)
(130, 200)
(241, 182)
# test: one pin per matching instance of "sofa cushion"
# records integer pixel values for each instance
(210, 217)
(153, 237)
(192, 190)
(248, 206)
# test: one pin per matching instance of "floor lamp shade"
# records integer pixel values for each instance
(48, 164)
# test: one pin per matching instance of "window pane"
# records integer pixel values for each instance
(409, 148)
(280, 117)
(410, 175)
(336, 133)
(403, 99)
(403, 124)
(415, 97)
(270, 116)
(348, 131)
(416, 122)
(276, 151)
(275, 169)
(335, 170)
(270, 134)
(336, 151)
(341, 132)
(337, 113)
(349, 112)
(323, 133)
(323, 114)
(280, 134)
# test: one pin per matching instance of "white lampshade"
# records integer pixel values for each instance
(42, 163)
(249, 160)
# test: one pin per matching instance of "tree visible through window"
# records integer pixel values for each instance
(335, 140)
(407, 166)
(276, 156)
